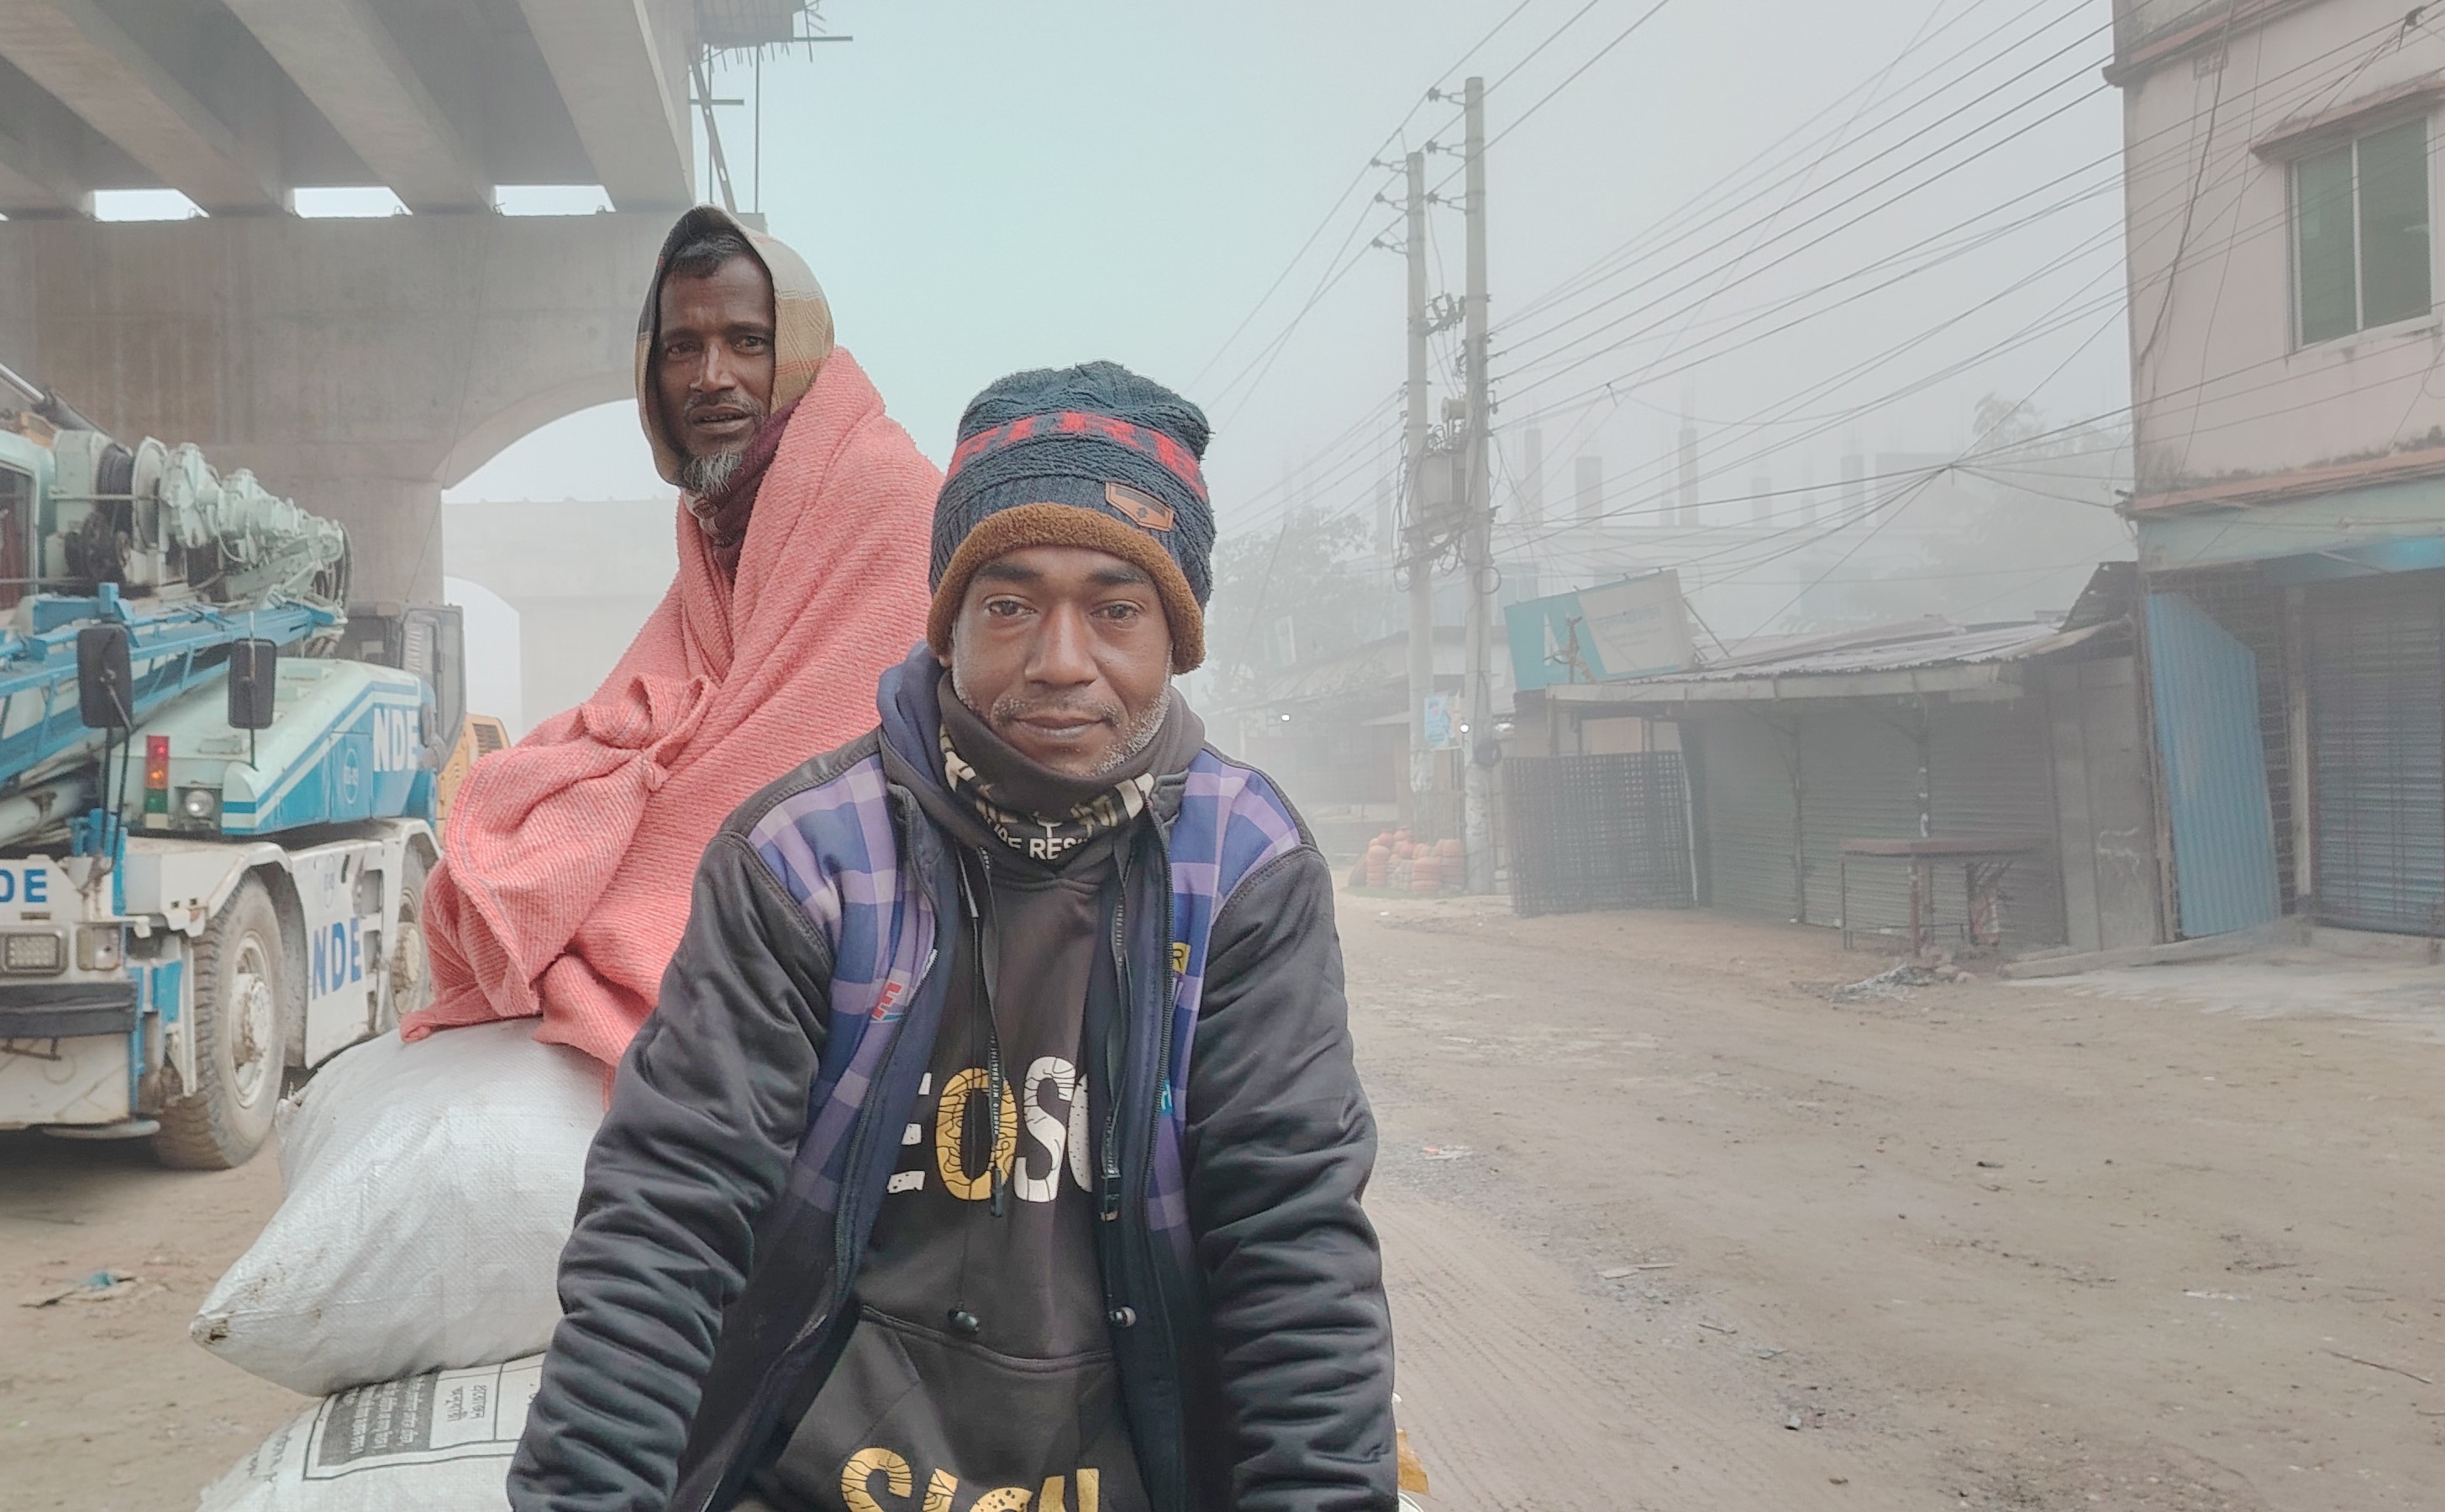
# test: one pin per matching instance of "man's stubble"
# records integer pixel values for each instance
(1136, 734)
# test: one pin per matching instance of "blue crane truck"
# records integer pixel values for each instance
(217, 803)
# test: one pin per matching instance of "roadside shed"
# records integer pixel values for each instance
(2017, 747)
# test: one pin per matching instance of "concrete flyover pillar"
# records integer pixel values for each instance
(358, 366)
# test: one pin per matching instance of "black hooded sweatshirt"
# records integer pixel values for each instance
(981, 1369)
(1255, 1370)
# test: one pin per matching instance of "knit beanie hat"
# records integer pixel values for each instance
(1091, 455)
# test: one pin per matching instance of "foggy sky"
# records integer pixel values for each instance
(983, 187)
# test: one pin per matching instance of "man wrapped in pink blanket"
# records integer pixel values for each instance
(802, 542)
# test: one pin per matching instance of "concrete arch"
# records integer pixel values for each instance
(497, 432)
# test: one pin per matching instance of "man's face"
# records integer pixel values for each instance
(1064, 652)
(715, 365)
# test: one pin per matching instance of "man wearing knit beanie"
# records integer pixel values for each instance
(996, 1140)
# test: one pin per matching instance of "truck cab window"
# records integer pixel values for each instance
(16, 510)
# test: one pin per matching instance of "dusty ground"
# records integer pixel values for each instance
(104, 1404)
(1988, 1247)
(2164, 1243)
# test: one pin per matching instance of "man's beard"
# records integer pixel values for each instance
(706, 476)
(1136, 734)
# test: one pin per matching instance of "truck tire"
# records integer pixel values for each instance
(411, 973)
(244, 1003)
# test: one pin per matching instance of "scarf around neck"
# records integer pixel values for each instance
(1041, 814)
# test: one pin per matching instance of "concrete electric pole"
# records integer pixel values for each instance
(1477, 524)
(1418, 543)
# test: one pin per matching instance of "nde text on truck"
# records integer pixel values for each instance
(218, 792)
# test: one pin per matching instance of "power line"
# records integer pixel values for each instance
(1598, 56)
(1262, 363)
(1933, 476)
(1551, 38)
(1610, 386)
(1512, 15)
(1878, 208)
(1689, 210)
(2023, 443)
(1355, 179)
(2114, 158)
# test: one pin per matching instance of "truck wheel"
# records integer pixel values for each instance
(244, 1002)
(411, 973)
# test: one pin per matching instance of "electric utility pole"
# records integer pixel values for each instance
(1477, 524)
(1418, 544)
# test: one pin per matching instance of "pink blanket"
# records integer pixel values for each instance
(569, 858)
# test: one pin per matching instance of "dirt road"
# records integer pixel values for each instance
(1667, 1231)
(1647, 1205)
(104, 1403)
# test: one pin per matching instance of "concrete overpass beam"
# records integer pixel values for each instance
(358, 367)
(348, 65)
(627, 94)
(35, 181)
(84, 58)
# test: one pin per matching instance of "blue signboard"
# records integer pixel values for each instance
(1634, 629)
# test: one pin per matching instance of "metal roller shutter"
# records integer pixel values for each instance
(2376, 717)
(1752, 827)
(1991, 776)
(1859, 778)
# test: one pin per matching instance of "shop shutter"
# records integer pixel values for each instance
(1991, 776)
(2376, 718)
(1859, 779)
(1751, 826)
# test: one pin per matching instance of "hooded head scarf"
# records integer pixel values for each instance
(802, 341)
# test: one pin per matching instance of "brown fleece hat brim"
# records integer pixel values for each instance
(1016, 529)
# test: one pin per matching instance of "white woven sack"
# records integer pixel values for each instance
(435, 1443)
(431, 1188)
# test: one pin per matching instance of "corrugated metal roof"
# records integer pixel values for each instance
(1891, 648)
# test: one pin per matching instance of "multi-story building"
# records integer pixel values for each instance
(2288, 420)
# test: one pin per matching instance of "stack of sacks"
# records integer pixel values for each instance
(409, 1273)
(435, 1443)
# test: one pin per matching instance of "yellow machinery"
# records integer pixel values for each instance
(479, 736)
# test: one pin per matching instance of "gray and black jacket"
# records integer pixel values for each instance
(711, 1281)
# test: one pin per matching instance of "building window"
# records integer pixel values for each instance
(2360, 218)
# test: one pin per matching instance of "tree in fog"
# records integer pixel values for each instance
(1287, 595)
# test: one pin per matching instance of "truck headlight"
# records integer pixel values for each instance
(31, 952)
(101, 947)
(199, 804)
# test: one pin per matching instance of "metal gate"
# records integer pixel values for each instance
(2376, 717)
(1598, 831)
(1746, 768)
(2204, 684)
(1990, 776)
(1860, 772)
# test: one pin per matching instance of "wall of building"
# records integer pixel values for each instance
(2222, 390)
